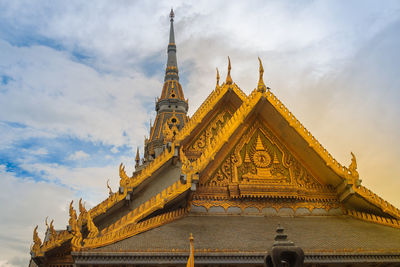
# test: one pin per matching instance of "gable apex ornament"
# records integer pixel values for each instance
(228, 77)
(261, 86)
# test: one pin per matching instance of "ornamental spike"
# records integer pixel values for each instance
(228, 77)
(217, 78)
(261, 86)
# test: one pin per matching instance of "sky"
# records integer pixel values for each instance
(78, 81)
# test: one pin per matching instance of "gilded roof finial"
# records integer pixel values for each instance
(36, 241)
(190, 262)
(261, 86)
(109, 188)
(353, 167)
(137, 156)
(217, 78)
(47, 225)
(228, 77)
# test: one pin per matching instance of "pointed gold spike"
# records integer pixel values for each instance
(217, 78)
(228, 77)
(261, 86)
(109, 188)
(259, 144)
(137, 156)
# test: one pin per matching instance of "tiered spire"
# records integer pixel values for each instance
(171, 107)
(171, 72)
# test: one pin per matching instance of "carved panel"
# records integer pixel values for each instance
(260, 165)
(207, 135)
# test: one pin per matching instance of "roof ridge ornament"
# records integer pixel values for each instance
(228, 77)
(261, 86)
(217, 77)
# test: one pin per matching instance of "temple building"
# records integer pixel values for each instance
(238, 168)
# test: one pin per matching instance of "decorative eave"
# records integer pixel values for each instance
(128, 183)
(53, 242)
(376, 200)
(374, 219)
(128, 224)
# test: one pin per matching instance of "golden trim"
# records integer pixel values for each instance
(374, 218)
(377, 200)
(208, 104)
(261, 204)
(132, 229)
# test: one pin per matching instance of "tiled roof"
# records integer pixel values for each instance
(254, 234)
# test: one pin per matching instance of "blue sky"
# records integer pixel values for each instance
(78, 82)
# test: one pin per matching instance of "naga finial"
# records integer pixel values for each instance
(109, 188)
(52, 231)
(36, 241)
(93, 231)
(228, 77)
(353, 166)
(261, 86)
(217, 78)
(45, 221)
(75, 231)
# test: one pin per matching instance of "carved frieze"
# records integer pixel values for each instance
(259, 165)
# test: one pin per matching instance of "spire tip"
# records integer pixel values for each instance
(228, 77)
(261, 86)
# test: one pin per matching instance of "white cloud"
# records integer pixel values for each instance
(334, 65)
(78, 155)
(27, 204)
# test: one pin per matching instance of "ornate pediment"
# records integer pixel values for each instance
(259, 165)
(207, 135)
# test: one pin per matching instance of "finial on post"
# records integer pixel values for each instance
(217, 78)
(137, 159)
(110, 193)
(190, 262)
(172, 15)
(261, 86)
(228, 77)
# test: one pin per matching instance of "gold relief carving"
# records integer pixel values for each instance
(207, 136)
(263, 164)
(260, 166)
(261, 204)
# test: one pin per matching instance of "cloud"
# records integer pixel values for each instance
(28, 203)
(78, 155)
(78, 82)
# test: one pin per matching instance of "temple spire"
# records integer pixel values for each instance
(171, 72)
(261, 86)
(217, 78)
(228, 77)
